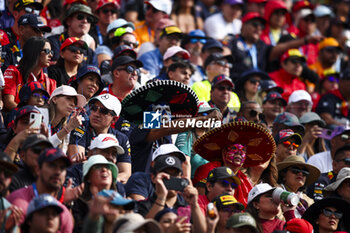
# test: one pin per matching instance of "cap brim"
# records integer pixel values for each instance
(333, 186)
(45, 29)
(225, 81)
(9, 166)
(314, 171)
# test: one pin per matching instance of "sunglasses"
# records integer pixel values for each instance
(223, 63)
(223, 88)
(75, 49)
(106, 11)
(37, 149)
(257, 24)
(130, 69)
(7, 173)
(101, 166)
(40, 96)
(254, 113)
(333, 79)
(328, 213)
(131, 44)
(226, 184)
(31, 11)
(295, 61)
(87, 17)
(296, 171)
(288, 144)
(103, 111)
(346, 161)
(230, 210)
(194, 40)
(254, 81)
(47, 51)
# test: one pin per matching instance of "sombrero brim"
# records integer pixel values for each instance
(312, 213)
(181, 99)
(314, 171)
(259, 142)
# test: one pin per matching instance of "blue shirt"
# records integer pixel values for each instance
(139, 183)
(152, 61)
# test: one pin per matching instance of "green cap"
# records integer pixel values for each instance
(241, 220)
(78, 7)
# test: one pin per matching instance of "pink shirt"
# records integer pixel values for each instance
(23, 196)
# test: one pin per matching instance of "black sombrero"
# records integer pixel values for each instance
(181, 99)
(258, 141)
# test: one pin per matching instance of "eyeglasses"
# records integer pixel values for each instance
(253, 113)
(87, 17)
(106, 11)
(103, 111)
(195, 40)
(40, 96)
(223, 63)
(288, 144)
(328, 213)
(257, 24)
(31, 11)
(296, 171)
(131, 69)
(254, 81)
(333, 79)
(131, 44)
(7, 173)
(75, 49)
(226, 184)
(346, 161)
(223, 88)
(47, 51)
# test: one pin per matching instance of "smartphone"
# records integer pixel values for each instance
(45, 113)
(326, 134)
(177, 184)
(184, 211)
(37, 119)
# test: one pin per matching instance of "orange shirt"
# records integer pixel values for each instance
(143, 32)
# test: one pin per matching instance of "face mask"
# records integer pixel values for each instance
(232, 151)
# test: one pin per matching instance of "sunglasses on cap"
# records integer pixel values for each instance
(226, 184)
(75, 49)
(106, 11)
(328, 213)
(130, 69)
(31, 11)
(195, 40)
(89, 18)
(7, 173)
(223, 88)
(223, 63)
(296, 171)
(47, 51)
(289, 143)
(102, 110)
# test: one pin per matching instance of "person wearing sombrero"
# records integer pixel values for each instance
(237, 144)
(166, 102)
(293, 176)
(329, 215)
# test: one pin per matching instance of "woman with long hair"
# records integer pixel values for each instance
(185, 15)
(265, 173)
(37, 55)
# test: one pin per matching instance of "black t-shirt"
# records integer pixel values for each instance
(59, 74)
(315, 190)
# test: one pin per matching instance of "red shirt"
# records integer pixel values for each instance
(109, 90)
(14, 82)
(288, 82)
(203, 202)
(272, 225)
(241, 192)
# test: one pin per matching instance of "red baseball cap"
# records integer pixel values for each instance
(253, 15)
(202, 172)
(299, 225)
(102, 3)
(293, 53)
(72, 40)
(301, 5)
(75, 1)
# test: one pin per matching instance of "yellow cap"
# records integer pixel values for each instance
(328, 42)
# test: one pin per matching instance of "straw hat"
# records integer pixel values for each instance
(295, 160)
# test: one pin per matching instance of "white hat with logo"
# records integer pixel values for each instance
(166, 149)
(109, 101)
(106, 140)
(259, 189)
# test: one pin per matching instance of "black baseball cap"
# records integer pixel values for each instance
(345, 74)
(34, 21)
(6, 161)
(122, 60)
(220, 173)
(35, 139)
(216, 57)
(19, 4)
(273, 95)
(166, 161)
(120, 50)
(52, 154)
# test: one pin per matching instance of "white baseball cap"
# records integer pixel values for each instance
(298, 95)
(259, 189)
(174, 50)
(69, 91)
(106, 140)
(166, 149)
(161, 5)
(109, 101)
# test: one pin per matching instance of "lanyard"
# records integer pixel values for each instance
(252, 53)
(35, 190)
(19, 49)
(272, 39)
(99, 35)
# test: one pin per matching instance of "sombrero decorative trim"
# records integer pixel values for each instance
(181, 99)
(258, 140)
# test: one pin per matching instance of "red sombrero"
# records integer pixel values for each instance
(258, 140)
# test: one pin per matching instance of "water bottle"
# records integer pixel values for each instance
(288, 198)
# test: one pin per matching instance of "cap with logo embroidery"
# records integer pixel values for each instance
(170, 30)
(222, 79)
(108, 101)
(225, 200)
(259, 189)
(167, 149)
(34, 21)
(273, 95)
(29, 88)
(71, 40)
(242, 220)
(52, 154)
(43, 201)
(167, 161)
(292, 53)
(286, 134)
(105, 140)
(220, 173)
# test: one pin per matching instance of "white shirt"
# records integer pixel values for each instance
(216, 27)
(323, 161)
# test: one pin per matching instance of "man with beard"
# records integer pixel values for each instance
(51, 176)
(8, 214)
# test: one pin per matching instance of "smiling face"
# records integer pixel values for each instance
(235, 155)
(89, 85)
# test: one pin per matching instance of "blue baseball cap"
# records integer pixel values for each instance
(43, 201)
(196, 35)
(24, 111)
(34, 21)
(220, 79)
(273, 95)
(117, 199)
(84, 70)
(52, 154)
(29, 88)
(212, 43)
